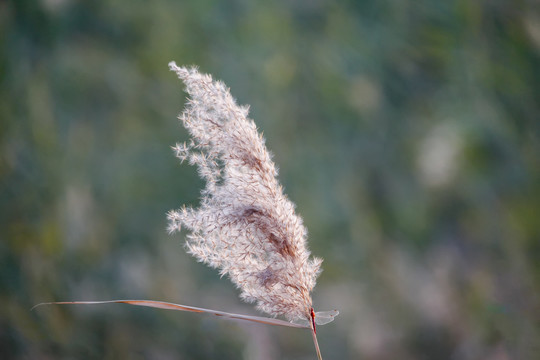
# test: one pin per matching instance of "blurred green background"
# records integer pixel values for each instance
(407, 133)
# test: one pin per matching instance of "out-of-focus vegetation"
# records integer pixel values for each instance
(407, 133)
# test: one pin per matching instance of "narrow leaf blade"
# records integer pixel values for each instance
(179, 307)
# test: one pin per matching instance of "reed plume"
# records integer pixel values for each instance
(245, 225)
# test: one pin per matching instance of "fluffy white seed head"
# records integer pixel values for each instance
(245, 226)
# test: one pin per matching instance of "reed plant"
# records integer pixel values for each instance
(245, 226)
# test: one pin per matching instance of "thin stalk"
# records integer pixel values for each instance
(315, 342)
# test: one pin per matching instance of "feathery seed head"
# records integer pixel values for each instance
(245, 226)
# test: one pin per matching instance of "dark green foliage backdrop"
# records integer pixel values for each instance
(407, 133)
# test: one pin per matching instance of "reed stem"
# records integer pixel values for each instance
(316, 343)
